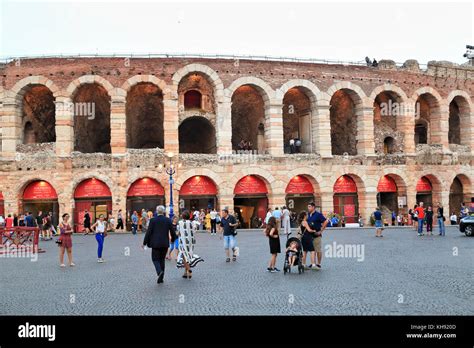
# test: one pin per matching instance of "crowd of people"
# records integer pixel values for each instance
(174, 239)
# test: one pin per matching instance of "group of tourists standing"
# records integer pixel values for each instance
(311, 226)
(282, 219)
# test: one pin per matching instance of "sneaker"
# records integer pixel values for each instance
(276, 269)
(227, 260)
(269, 269)
(100, 260)
(419, 234)
(72, 264)
(273, 270)
(62, 265)
(318, 267)
(311, 266)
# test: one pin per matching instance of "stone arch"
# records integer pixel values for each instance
(364, 186)
(436, 184)
(398, 175)
(461, 112)
(428, 108)
(197, 134)
(315, 179)
(302, 96)
(346, 106)
(204, 69)
(273, 185)
(134, 80)
(20, 87)
(388, 87)
(267, 93)
(143, 174)
(21, 185)
(81, 177)
(201, 172)
(89, 79)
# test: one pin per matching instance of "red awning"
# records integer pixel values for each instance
(1, 196)
(250, 185)
(146, 187)
(386, 184)
(39, 190)
(345, 184)
(298, 185)
(92, 188)
(198, 186)
(423, 185)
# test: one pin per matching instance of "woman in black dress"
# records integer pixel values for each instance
(307, 234)
(271, 231)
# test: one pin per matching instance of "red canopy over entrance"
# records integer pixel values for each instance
(345, 184)
(198, 186)
(299, 185)
(146, 187)
(92, 188)
(423, 185)
(39, 190)
(386, 184)
(250, 185)
(1, 196)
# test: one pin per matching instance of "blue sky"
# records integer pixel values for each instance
(341, 31)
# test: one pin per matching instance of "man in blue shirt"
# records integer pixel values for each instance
(318, 222)
(30, 222)
(134, 219)
(378, 222)
(277, 215)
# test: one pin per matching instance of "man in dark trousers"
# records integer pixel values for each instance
(158, 237)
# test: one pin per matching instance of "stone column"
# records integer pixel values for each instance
(367, 203)
(440, 127)
(118, 122)
(321, 130)
(277, 199)
(10, 201)
(171, 120)
(11, 128)
(64, 126)
(365, 130)
(274, 128)
(406, 125)
(327, 201)
(224, 128)
(226, 200)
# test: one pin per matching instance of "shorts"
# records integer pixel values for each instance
(317, 244)
(307, 242)
(174, 245)
(378, 223)
(229, 242)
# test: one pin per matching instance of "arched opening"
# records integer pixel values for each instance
(192, 100)
(388, 145)
(427, 116)
(38, 110)
(387, 195)
(424, 192)
(299, 192)
(195, 91)
(145, 116)
(198, 192)
(91, 119)
(94, 196)
(387, 108)
(343, 123)
(459, 121)
(145, 193)
(248, 119)
(456, 196)
(197, 135)
(40, 198)
(296, 121)
(250, 201)
(454, 133)
(345, 199)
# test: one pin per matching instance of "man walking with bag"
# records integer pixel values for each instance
(228, 224)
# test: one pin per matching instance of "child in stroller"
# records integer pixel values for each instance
(293, 255)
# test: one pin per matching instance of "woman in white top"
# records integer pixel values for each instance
(187, 259)
(100, 233)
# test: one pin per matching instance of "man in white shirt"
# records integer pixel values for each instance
(285, 220)
(213, 214)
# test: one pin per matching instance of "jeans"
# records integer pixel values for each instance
(420, 225)
(158, 257)
(134, 228)
(213, 226)
(442, 228)
(100, 240)
(229, 242)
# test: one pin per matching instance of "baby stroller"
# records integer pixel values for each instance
(298, 254)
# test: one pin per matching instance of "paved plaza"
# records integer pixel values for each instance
(400, 274)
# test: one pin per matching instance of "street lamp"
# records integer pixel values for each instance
(170, 170)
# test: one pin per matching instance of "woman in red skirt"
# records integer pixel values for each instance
(65, 241)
